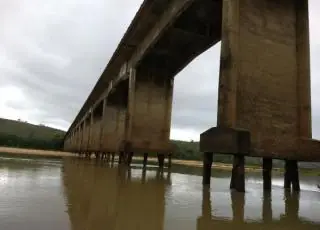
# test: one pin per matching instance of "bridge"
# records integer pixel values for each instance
(103, 197)
(264, 100)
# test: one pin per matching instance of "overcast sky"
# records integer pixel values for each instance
(53, 51)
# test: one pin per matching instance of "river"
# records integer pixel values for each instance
(82, 195)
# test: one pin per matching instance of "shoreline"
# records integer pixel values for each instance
(34, 152)
(60, 154)
(19, 152)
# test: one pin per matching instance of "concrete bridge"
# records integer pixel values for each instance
(264, 100)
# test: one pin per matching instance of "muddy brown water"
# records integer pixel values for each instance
(75, 194)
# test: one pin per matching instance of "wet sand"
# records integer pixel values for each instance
(35, 152)
(193, 163)
(46, 153)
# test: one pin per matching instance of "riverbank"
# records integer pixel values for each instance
(34, 152)
(60, 154)
(20, 152)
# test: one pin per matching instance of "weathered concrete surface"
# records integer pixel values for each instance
(268, 79)
(265, 75)
(86, 134)
(149, 112)
(113, 128)
(80, 139)
(226, 140)
(94, 140)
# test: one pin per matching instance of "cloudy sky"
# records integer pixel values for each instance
(53, 51)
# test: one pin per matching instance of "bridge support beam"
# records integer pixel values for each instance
(264, 84)
(148, 117)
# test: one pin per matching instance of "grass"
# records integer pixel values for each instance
(27, 130)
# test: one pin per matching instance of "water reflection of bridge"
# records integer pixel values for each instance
(289, 220)
(103, 197)
(110, 198)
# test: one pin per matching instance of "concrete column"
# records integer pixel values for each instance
(83, 136)
(96, 127)
(76, 139)
(70, 141)
(91, 131)
(75, 142)
(81, 131)
(291, 176)
(267, 170)
(238, 174)
(252, 95)
(75, 148)
(88, 131)
(148, 116)
(264, 84)
(104, 104)
(87, 124)
(229, 64)
(303, 68)
(113, 122)
(207, 164)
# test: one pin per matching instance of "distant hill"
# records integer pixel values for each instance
(22, 134)
(24, 129)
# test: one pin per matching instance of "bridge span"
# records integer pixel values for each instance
(264, 100)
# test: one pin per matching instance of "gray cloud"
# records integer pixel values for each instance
(54, 52)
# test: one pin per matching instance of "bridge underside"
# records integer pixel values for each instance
(193, 32)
